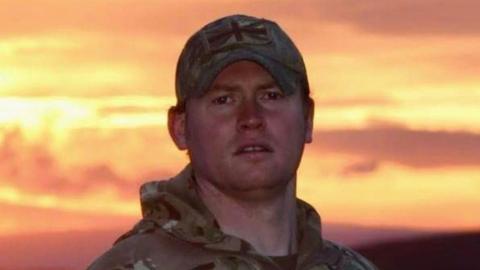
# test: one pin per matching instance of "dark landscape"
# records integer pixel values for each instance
(459, 251)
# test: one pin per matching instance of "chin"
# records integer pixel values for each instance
(256, 187)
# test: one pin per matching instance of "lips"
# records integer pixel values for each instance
(253, 148)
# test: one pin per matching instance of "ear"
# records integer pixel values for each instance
(309, 121)
(176, 128)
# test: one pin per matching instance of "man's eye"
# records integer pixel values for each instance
(273, 95)
(222, 100)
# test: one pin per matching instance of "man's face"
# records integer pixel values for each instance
(244, 135)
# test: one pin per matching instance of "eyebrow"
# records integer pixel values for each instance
(225, 87)
(267, 85)
(233, 87)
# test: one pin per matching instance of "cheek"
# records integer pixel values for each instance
(290, 124)
(290, 137)
(196, 132)
(205, 134)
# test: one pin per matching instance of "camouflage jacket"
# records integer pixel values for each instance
(178, 232)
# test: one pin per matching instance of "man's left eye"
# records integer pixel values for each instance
(273, 95)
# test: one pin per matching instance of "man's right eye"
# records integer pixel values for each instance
(222, 100)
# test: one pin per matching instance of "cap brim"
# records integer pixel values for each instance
(284, 77)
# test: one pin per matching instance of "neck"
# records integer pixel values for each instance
(269, 225)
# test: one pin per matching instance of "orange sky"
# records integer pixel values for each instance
(84, 89)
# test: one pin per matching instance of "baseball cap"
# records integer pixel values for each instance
(234, 38)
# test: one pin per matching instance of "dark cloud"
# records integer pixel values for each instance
(414, 148)
(359, 168)
(402, 16)
(34, 168)
(379, 123)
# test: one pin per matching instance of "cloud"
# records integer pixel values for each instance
(349, 102)
(170, 18)
(413, 148)
(124, 16)
(129, 109)
(462, 65)
(403, 17)
(33, 167)
(359, 168)
(79, 64)
(20, 219)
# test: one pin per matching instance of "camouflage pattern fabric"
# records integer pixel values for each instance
(178, 232)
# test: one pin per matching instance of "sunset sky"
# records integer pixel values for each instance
(85, 86)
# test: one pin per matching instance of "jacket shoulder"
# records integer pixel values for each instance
(121, 256)
(348, 259)
(124, 256)
(142, 248)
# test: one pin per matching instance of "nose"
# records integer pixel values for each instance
(250, 116)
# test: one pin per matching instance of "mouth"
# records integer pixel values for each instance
(253, 148)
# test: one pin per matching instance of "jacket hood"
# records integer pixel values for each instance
(174, 207)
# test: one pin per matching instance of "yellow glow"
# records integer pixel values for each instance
(5, 80)
(14, 45)
(10, 194)
(444, 115)
(393, 196)
(101, 201)
(59, 115)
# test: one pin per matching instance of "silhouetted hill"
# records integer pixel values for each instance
(459, 251)
(355, 235)
(72, 250)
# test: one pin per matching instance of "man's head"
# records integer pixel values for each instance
(243, 107)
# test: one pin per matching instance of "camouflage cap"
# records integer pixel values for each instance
(234, 38)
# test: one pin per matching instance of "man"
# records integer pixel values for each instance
(243, 113)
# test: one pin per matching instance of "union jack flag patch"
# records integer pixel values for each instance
(228, 34)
